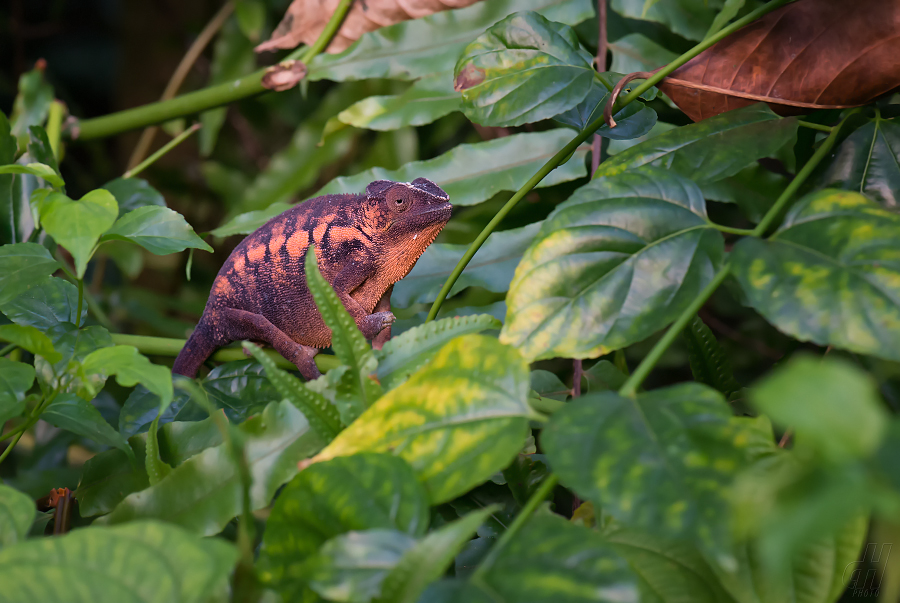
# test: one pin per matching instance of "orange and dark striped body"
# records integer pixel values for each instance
(364, 244)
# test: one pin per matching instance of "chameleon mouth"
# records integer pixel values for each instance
(444, 207)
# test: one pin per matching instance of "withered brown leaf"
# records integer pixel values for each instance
(811, 54)
(305, 20)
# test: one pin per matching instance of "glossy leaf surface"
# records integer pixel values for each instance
(45, 304)
(633, 121)
(130, 368)
(159, 230)
(132, 193)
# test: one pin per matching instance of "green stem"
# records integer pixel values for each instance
(731, 230)
(331, 28)
(814, 126)
(80, 302)
(54, 126)
(555, 161)
(32, 419)
(524, 515)
(162, 151)
(640, 373)
(8, 349)
(11, 446)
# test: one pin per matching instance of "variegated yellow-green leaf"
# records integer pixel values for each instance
(77, 225)
(621, 259)
(523, 69)
(16, 515)
(830, 275)
(456, 421)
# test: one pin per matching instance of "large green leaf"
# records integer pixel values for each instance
(69, 412)
(159, 230)
(553, 561)
(406, 353)
(456, 421)
(636, 52)
(30, 339)
(868, 162)
(473, 173)
(47, 303)
(830, 404)
(618, 261)
(132, 193)
(492, 267)
(16, 515)
(146, 562)
(661, 461)
(521, 70)
(688, 18)
(130, 368)
(16, 378)
(77, 225)
(712, 149)
(413, 49)
(359, 492)
(248, 222)
(633, 121)
(23, 265)
(830, 275)
(204, 493)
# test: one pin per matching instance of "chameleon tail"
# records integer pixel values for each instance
(198, 348)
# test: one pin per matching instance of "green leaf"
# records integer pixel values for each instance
(548, 385)
(17, 512)
(830, 275)
(357, 390)
(832, 406)
(144, 561)
(553, 561)
(688, 18)
(709, 364)
(429, 559)
(77, 225)
(30, 339)
(39, 148)
(248, 222)
(603, 376)
(729, 11)
(633, 121)
(406, 353)
(523, 69)
(492, 268)
(69, 412)
(35, 169)
(239, 387)
(323, 417)
(45, 304)
(525, 475)
(413, 49)
(359, 492)
(110, 476)
(753, 189)
(868, 162)
(32, 102)
(618, 261)
(661, 461)
(352, 566)
(23, 265)
(132, 193)
(204, 493)
(130, 368)
(422, 103)
(16, 378)
(15, 215)
(75, 345)
(636, 52)
(159, 230)
(456, 421)
(251, 17)
(473, 173)
(710, 150)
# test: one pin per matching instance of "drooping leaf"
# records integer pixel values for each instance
(473, 173)
(661, 461)
(204, 493)
(132, 193)
(69, 412)
(16, 378)
(492, 268)
(357, 390)
(77, 225)
(523, 69)
(31, 339)
(710, 151)
(22, 266)
(47, 303)
(633, 121)
(868, 162)
(616, 262)
(688, 18)
(429, 558)
(35, 169)
(830, 275)
(403, 355)
(456, 421)
(359, 492)
(17, 512)
(788, 59)
(709, 364)
(130, 368)
(159, 230)
(414, 49)
(554, 561)
(144, 561)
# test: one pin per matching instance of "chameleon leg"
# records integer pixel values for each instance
(383, 305)
(247, 325)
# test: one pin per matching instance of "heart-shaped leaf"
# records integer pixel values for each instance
(77, 225)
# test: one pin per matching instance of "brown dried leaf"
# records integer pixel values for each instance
(812, 54)
(305, 20)
(284, 75)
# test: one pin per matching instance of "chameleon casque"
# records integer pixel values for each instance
(364, 243)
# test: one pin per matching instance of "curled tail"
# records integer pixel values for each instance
(200, 346)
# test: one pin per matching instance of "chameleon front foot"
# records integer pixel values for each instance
(373, 324)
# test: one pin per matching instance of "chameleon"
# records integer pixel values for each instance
(364, 243)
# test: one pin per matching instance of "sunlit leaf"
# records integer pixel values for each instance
(35, 169)
(77, 225)
(30, 339)
(17, 512)
(130, 368)
(159, 230)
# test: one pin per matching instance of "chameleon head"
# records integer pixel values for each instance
(409, 213)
